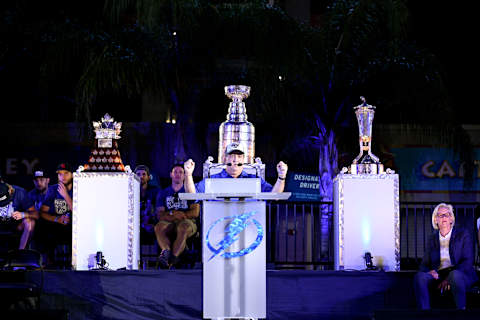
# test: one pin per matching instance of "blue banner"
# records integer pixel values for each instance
(433, 169)
(303, 186)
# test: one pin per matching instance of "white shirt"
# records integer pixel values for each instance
(444, 251)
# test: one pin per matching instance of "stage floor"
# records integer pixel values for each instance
(177, 294)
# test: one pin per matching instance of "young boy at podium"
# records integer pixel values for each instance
(234, 159)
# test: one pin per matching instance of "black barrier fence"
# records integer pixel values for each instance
(416, 227)
(300, 235)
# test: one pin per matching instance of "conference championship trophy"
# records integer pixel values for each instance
(106, 206)
(366, 162)
(366, 204)
(234, 225)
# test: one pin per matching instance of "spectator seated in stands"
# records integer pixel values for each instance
(176, 217)
(56, 214)
(17, 212)
(148, 196)
(39, 192)
(448, 260)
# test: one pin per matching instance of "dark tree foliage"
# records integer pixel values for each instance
(77, 59)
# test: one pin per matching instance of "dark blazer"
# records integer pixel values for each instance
(461, 254)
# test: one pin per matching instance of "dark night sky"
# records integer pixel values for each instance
(444, 28)
(447, 29)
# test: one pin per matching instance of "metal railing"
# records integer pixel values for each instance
(300, 235)
(416, 228)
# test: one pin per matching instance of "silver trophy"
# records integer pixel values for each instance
(366, 162)
(236, 128)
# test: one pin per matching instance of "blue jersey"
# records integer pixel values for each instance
(147, 202)
(55, 202)
(168, 198)
(264, 186)
(20, 202)
(37, 197)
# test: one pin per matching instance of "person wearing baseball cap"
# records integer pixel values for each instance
(39, 192)
(57, 207)
(17, 212)
(56, 211)
(234, 159)
(148, 196)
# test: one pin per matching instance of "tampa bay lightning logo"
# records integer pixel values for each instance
(232, 230)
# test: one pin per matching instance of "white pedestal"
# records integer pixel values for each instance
(366, 220)
(106, 209)
(234, 277)
(234, 252)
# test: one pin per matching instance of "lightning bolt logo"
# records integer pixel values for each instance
(232, 230)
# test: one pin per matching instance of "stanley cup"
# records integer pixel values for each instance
(366, 162)
(236, 128)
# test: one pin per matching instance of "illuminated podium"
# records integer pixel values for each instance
(366, 219)
(106, 209)
(234, 252)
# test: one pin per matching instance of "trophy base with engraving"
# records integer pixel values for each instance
(366, 168)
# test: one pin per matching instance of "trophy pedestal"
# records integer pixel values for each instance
(366, 219)
(106, 209)
(233, 247)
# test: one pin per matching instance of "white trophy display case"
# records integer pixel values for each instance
(106, 208)
(366, 220)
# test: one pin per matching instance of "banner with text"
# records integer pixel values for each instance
(303, 186)
(433, 169)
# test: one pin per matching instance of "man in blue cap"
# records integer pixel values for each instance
(39, 192)
(234, 159)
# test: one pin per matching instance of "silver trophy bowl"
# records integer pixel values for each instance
(236, 128)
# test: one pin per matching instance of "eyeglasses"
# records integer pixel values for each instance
(445, 215)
